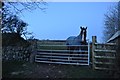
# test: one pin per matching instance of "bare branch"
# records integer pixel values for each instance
(19, 7)
(111, 22)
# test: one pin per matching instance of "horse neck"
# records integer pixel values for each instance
(79, 37)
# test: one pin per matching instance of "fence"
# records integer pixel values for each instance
(103, 55)
(59, 54)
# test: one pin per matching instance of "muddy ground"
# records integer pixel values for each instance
(15, 69)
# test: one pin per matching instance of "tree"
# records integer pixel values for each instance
(11, 22)
(112, 21)
(112, 25)
(17, 7)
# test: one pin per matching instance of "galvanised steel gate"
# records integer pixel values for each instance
(60, 55)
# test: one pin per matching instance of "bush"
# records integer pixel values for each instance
(13, 39)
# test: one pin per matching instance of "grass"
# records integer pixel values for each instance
(41, 70)
(18, 67)
(53, 47)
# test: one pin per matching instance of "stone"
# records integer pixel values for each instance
(15, 53)
(47, 76)
(59, 71)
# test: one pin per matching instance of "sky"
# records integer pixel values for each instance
(63, 19)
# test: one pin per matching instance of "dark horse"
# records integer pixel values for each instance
(77, 40)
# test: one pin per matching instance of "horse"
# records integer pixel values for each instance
(84, 41)
(77, 40)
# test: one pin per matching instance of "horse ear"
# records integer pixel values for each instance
(86, 28)
(80, 27)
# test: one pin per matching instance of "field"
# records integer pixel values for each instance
(15, 69)
(22, 69)
(45, 42)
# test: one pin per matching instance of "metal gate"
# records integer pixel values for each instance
(60, 55)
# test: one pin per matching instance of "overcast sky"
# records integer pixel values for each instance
(63, 19)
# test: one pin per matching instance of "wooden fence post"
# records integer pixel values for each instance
(33, 51)
(117, 60)
(94, 40)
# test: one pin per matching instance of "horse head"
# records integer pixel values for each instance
(83, 34)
